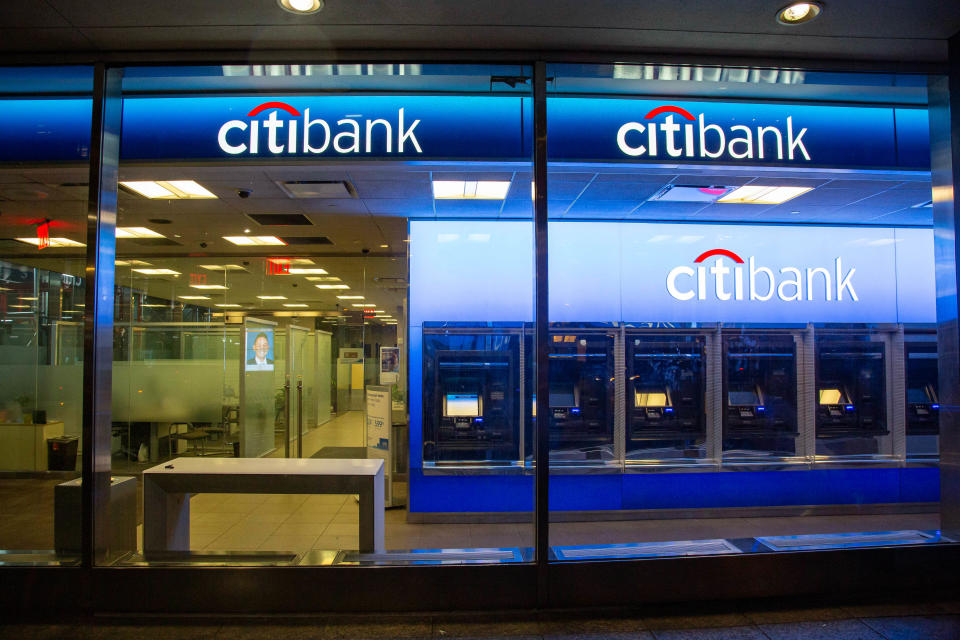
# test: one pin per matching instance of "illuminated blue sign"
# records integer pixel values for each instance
(475, 128)
(667, 131)
(651, 272)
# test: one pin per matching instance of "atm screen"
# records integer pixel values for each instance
(830, 396)
(563, 397)
(743, 399)
(917, 396)
(648, 399)
(461, 405)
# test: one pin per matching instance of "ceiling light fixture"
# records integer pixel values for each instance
(209, 287)
(306, 271)
(54, 242)
(350, 297)
(754, 194)
(228, 306)
(131, 263)
(799, 12)
(470, 189)
(137, 232)
(323, 278)
(168, 189)
(250, 241)
(272, 297)
(332, 286)
(295, 305)
(363, 305)
(301, 7)
(194, 297)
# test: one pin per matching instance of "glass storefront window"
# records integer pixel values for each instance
(44, 151)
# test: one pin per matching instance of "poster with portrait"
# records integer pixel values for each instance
(259, 354)
(389, 365)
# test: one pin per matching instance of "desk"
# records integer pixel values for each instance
(166, 491)
(23, 447)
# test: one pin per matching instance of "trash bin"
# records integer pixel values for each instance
(62, 453)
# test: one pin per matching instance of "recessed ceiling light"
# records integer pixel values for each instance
(295, 305)
(19, 306)
(332, 286)
(754, 194)
(227, 306)
(25, 298)
(208, 287)
(272, 297)
(54, 242)
(301, 7)
(363, 305)
(323, 278)
(799, 12)
(248, 241)
(157, 272)
(137, 232)
(384, 246)
(168, 189)
(470, 189)
(194, 297)
(130, 263)
(221, 267)
(153, 305)
(290, 260)
(350, 297)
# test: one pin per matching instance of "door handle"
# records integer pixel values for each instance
(299, 417)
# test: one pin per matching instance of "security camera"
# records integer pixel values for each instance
(364, 251)
(244, 193)
(294, 284)
(203, 245)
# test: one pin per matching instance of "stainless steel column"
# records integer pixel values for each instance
(945, 165)
(98, 319)
(542, 382)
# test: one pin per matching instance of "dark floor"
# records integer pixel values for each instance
(931, 620)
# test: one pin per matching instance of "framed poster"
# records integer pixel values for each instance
(259, 350)
(389, 365)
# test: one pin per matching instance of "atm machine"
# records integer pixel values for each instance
(923, 397)
(850, 395)
(472, 386)
(665, 394)
(759, 396)
(580, 411)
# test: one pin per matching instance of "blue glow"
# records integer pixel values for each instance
(478, 419)
(849, 407)
(575, 410)
(934, 406)
(668, 410)
(761, 408)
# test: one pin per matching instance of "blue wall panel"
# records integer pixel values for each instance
(920, 484)
(586, 493)
(469, 494)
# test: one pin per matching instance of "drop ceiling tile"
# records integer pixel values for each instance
(400, 207)
(320, 206)
(393, 189)
(667, 210)
(611, 207)
(468, 208)
(635, 192)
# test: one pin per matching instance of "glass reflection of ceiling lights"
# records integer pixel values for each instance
(350, 297)
(209, 287)
(131, 263)
(54, 243)
(323, 278)
(124, 233)
(470, 189)
(227, 305)
(306, 271)
(222, 267)
(168, 189)
(362, 304)
(332, 286)
(255, 241)
(272, 297)
(295, 305)
(194, 297)
(755, 194)
(156, 272)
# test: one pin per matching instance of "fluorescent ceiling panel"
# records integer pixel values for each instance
(137, 232)
(332, 286)
(169, 189)
(222, 267)
(306, 271)
(194, 297)
(295, 305)
(272, 297)
(470, 189)
(54, 242)
(208, 287)
(227, 306)
(254, 241)
(350, 297)
(755, 194)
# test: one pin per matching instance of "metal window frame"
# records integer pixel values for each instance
(838, 574)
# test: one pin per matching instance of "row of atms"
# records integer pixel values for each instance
(659, 396)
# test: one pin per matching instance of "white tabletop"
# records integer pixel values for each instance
(268, 466)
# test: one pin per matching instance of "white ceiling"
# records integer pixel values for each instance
(892, 30)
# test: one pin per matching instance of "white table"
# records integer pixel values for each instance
(167, 488)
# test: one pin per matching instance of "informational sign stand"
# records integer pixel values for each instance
(378, 435)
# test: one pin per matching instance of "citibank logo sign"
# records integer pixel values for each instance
(751, 281)
(297, 134)
(696, 138)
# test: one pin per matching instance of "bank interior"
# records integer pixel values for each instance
(416, 278)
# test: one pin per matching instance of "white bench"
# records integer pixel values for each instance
(167, 488)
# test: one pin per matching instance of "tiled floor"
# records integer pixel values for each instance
(298, 523)
(927, 621)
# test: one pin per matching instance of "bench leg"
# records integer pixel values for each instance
(166, 519)
(371, 516)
